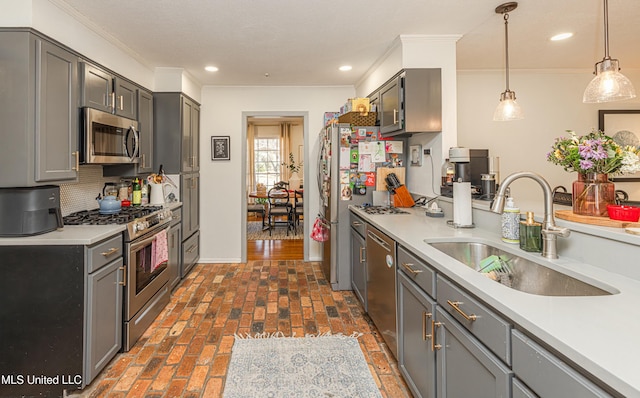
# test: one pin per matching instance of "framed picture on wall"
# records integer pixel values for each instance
(220, 148)
(624, 127)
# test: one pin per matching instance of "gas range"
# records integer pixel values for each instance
(139, 220)
(382, 210)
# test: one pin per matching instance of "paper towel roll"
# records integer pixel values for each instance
(462, 204)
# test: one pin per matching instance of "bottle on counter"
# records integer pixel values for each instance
(510, 222)
(144, 193)
(136, 193)
(530, 234)
(448, 173)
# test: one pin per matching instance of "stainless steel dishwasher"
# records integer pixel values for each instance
(381, 285)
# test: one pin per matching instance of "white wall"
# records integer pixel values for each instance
(552, 103)
(61, 23)
(422, 51)
(222, 183)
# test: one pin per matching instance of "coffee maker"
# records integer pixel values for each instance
(469, 165)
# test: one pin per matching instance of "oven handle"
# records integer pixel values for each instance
(146, 241)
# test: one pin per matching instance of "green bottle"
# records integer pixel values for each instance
(530, 234)
(137, 193)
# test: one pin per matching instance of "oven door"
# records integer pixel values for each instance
(144, 278)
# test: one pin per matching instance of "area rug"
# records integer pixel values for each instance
(300, 367)
(255, 232)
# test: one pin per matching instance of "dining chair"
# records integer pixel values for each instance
(279, 208)
(298, 208)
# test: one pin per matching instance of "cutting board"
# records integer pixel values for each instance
(569, 215)
(382, 172)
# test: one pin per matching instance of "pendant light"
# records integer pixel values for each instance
(609, 84)
(508, 108)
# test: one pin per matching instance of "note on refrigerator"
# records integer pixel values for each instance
(365, 164)
(345, 158)
(393, 146)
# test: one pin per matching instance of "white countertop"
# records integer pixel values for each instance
(73, 234)
(600, 333)
(69, 235)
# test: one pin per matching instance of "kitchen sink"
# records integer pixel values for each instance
(517, 272)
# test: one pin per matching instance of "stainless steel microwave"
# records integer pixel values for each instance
(108, 138)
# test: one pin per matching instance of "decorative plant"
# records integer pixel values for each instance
(594, 153)
(292, 165)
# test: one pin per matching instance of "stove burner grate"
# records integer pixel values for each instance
(382, 210)
(93, 217)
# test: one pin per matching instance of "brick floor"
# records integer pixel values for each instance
(186, 351)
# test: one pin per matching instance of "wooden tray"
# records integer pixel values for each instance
(569, 215)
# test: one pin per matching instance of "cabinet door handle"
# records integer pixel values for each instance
(407, 266)
(362, 250)
(121, 98)
(124, 276)
(456, 306)
(395, 116)
(434, 346)
(113, 101)
(425, 317)
(76, 154)
(144, 161)
(110, 251)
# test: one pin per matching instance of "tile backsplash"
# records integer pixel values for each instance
(81, 195)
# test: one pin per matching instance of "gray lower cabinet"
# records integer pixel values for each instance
(39, 106)
(465, 367)
(358, 260)
(190, 253)
(190, 196)
(174, 239)
(103, 308)
(104, 323)
(416, 358)
(547, 375)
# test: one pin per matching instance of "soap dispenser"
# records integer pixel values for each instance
(510, 222)
(531, 234)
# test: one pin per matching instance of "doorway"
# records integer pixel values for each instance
(274, 147)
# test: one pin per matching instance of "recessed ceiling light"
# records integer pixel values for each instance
(345, 68)
(211, 68)
(561, 36)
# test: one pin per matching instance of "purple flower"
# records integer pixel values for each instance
(586, 164)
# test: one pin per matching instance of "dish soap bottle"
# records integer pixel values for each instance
(531, 234)
(510, 221)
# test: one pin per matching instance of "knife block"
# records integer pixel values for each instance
(402, 197)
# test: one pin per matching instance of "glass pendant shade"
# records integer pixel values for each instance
(508, 108)
(609, 84)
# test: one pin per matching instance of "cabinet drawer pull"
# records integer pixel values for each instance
(407, 266)
(362, 258)
(456, 306)
(356, 223)
(192, 248)
(425, 317)
(110, 251)
(434, 346)
(124, 276)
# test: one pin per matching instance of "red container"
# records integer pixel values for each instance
(624, 213)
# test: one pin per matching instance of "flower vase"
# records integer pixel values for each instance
(294, 181)
(592, 192)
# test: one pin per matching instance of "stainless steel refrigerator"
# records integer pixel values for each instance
(336, 194)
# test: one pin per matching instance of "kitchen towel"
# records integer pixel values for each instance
(462, 204)
(159, 250)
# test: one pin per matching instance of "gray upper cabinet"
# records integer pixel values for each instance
(410, 102)
(38, 109)
(107, 92)
(145, 125)
(177, 133)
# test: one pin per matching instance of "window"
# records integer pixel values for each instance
(267, 161)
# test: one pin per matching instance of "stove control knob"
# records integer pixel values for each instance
(139, 226)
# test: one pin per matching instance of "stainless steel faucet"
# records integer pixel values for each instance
(550, 231)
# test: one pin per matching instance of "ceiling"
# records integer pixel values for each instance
(303, 42)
